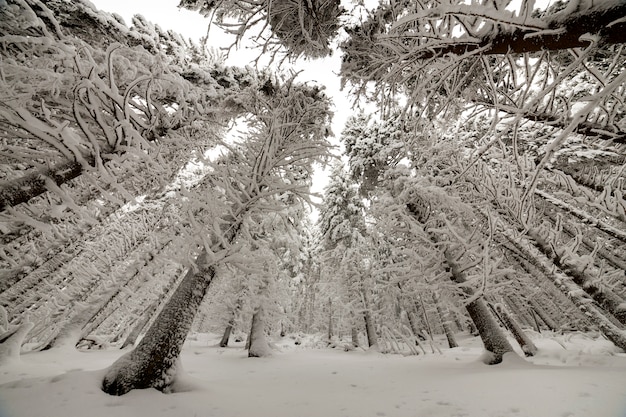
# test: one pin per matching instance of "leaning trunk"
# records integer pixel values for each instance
(445, 322)
(491, 334)
(372, 338)
(565, 283)
(152, 364)
(140, 325)
(72, 331)
(527, 345)
(226, 336)
(544, 316)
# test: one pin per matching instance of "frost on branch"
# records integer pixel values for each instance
(11, 342)
(305, 27)
(302, 27)
(287, 134)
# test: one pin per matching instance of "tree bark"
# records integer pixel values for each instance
(543, 315)
(152, 364)
(445, 322)
(569, 34)
(372, 338)
(568, 287)
(330, 321)
(605, 297)
(226, 335)
(527, 345)
(491, 334)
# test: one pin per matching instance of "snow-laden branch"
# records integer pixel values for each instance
(527, 35)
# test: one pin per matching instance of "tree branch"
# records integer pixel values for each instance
(564, 32)
(586, 128)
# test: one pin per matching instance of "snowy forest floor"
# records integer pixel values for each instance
(572, 375)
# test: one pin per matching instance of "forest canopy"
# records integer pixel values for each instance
(485, 192)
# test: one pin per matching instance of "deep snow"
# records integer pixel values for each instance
(573, 375)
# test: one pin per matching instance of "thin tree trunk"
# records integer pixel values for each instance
(372, 339)
(527, 345)
(536, 319)
(139, 326)
(519, 311)
(226, 336)
(584, 216)
(231, 322)
(445, 322)
(71, 333)
(567, 286)
(330, 321)
(491, 334)
(410, 315)
(429, 328)
(545, 317)
(605, 297)
(355, 335)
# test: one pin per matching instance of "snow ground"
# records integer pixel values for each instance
(572, 376)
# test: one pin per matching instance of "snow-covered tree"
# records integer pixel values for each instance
(286, 134)
(343, 241)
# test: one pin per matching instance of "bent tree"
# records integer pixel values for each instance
(128, 110)
(523, 94)
(286, 133)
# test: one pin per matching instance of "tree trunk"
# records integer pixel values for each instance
(527, 345)
(139, 326)
(72, 331)
(603, 295)
(152, 364)
(536, 319)
(330, 321)
(491, 334)
(355, 335)
(258, 346)
(150, 312)
(445, 322)
(231, 322)
(518, 310)
(226, 336)
(565, 283)
(372, 338)
(545, 317)
(412, 317)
